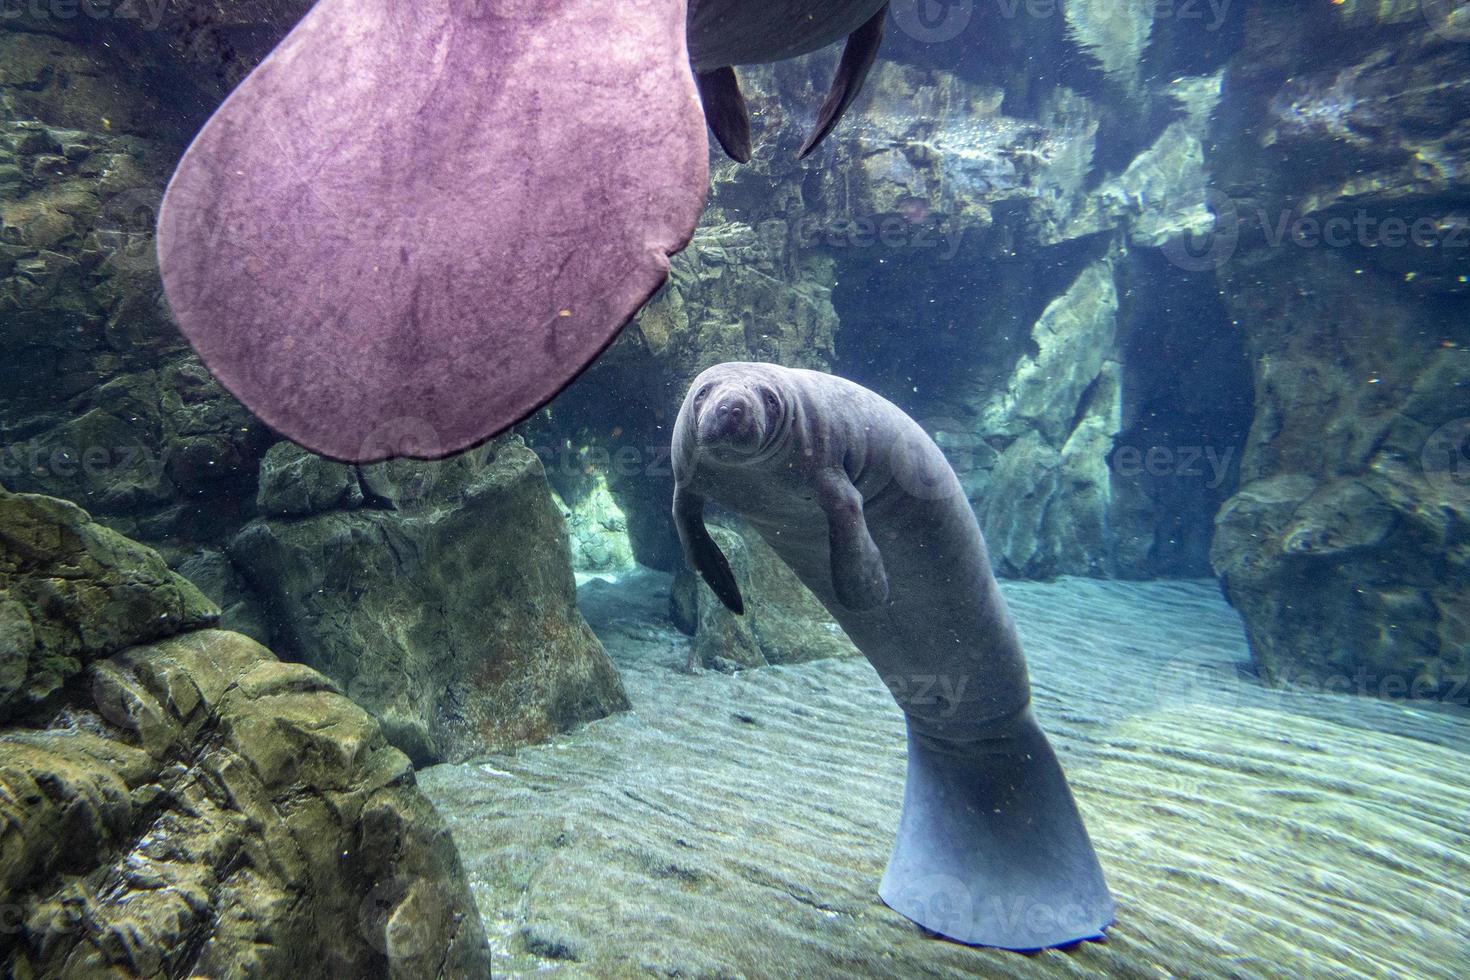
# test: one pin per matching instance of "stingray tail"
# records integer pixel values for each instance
(991, 850)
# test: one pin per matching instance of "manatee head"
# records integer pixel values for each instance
(738, 411)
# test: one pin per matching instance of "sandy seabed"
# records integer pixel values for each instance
(738, 825)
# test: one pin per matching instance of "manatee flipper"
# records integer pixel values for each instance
(857, 58)
(701, 551)
(858, 576)
(724, 109)
(415, 223)
(991, 850)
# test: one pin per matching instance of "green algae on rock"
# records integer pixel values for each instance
(446, 605)
(73, 592)
(191, 806)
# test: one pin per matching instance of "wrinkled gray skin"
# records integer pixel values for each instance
(863, 506)
(816, 477)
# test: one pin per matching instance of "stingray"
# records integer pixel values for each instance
(414, 223)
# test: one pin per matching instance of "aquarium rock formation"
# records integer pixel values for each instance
(437, 595)
(1054, 241)
(178, 802)
(1345, 548)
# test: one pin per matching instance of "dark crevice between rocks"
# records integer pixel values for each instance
(1188, 392)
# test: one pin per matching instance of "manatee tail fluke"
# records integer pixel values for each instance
(991, 850)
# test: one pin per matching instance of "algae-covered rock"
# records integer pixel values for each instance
(447, 608)
(597, 529)
(1344, 550)
(191, 806)
(206, 810)
(73, 591)
(783, 621)
(294, 481)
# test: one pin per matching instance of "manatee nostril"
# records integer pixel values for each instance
(736, 412)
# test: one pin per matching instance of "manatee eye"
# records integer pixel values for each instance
(772, 402)
(699, 395)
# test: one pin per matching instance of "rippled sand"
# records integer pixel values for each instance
(738, 825)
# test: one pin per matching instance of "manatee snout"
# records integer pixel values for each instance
(733, 418)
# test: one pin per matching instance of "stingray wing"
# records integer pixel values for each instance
(415, 223)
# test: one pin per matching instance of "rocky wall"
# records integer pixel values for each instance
(175, 801)
(1344, 256)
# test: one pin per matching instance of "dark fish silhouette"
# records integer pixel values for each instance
(414, 224)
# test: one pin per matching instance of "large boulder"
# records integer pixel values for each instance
(192, 806)
(73, 592)
(446, 606)
(1345, 549)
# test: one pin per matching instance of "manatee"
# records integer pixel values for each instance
(414, 223)
(860, 502)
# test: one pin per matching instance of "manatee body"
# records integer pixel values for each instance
(863, 506)
(724, 33)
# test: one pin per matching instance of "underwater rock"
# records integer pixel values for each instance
(101, 401)
(597, 528)
(191, 806)
(294, 481)
(205, 809)
(72, 592)
(447, 608)
(1357, 577)
(783, 621)
(1344, 549)
(217, 577)
(1045, 504)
